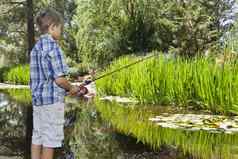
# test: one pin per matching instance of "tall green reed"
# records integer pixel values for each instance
(196, 82)
(18, 75)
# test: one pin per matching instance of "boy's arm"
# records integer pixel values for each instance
(65, 84)
(60, 70)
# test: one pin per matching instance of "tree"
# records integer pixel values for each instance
(30, 26)
(110, 28)
(17, 32)
(12, 30)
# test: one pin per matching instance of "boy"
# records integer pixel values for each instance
(48, 86)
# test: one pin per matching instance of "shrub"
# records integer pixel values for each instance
(18, 75)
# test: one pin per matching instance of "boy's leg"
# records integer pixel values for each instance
(36, 146)
(35, 151)
(47, 153)
(53, 132)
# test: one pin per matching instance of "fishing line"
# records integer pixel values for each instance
(86, 82)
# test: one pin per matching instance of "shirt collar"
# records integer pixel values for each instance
(47, 35)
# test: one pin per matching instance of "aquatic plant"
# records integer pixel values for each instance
(198, 82)
(17, 75)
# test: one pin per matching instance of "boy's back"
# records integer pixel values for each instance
(47, 64)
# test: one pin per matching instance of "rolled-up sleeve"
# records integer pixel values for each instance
(57, 62)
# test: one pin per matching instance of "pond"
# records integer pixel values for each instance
(87, 136)
(200, 133)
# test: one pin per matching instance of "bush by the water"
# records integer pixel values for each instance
(17, 75)
(198, 82)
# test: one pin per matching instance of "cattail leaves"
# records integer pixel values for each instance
(198, 82)
(17, 75)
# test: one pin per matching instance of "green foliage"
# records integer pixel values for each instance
(13, 30)
(110, 28)
(230, 40)
(3, 70)
(21, 96)
(176, 81)
(18, 75)
(13, 43)
(134, 120)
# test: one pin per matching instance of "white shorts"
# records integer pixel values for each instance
(48, 125)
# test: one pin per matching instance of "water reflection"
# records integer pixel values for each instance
(3, 101)
(93, 138)
(15, 127)
(87, 136)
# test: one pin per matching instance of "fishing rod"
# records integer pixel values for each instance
(119, 69)
(84, 90)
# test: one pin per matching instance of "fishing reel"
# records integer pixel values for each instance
(82, 91)
(87, 82)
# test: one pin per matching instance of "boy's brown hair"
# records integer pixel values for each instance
(47, 17)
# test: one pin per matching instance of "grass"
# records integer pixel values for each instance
(198, 82)
(17, 75)
(134, 121)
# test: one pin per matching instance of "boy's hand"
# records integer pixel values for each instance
(82, 90)
(74, 91)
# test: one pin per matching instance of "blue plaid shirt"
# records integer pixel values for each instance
(47, 63)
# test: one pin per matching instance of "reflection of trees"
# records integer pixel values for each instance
(90, 138)
(13, 125)
(22, 96)
(3, 101)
